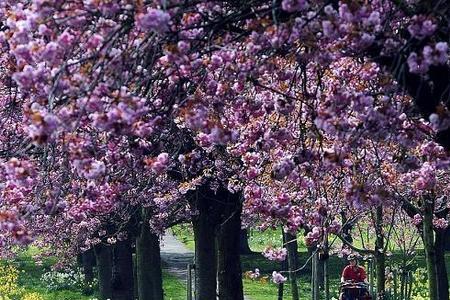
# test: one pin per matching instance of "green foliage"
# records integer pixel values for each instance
(185, 234)
(420, 285)
(25, 276)
(32, 296)
(9, 288)
(71, 279)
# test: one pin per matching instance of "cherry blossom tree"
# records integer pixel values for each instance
(115, 107)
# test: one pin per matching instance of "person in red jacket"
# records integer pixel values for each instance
(354, 280)
(353, 272)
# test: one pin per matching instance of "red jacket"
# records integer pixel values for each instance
(356, 273)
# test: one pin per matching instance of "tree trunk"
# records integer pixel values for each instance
(88, 262)
(103, 255)
(243, 242)
(280, 291)
(292, 247)
(135, 279)
(205, 251)
(380, 261)
(228, 260)
(122, 280)
(148, 260)
(380, 258)
(441, 268)
(315, 283)
(320, 273)
(326, 276)
(347, 227)
(430, 254)
(447, 239)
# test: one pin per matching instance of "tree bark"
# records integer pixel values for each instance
(88, 262)
(380, 258)
(122, 279)
(205, 251)
(135, 279)
(441, 268)
(148, 260)
(292, 246)
(380, 261)
(280, 291)
(228, 249)
(430, 254)
(243, 242)
(315, 285)
(325, 260)
(103, 255)
(88, 265)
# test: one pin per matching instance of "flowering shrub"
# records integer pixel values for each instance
(420, 285)
(59, 280)
(253, 275)
(32, 296)
(9, 276)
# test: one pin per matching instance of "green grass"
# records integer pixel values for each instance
(258, 240)
(266, 290)
(174, 289)
(185, 234)
(30, 274)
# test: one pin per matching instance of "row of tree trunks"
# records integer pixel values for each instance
(116, 278)
(218, 234)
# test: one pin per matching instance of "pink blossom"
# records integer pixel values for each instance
(153, 20)
(440, 223)
(277, 278)
(294, 5)
(421, 27)
(417, 219)
(276, 254)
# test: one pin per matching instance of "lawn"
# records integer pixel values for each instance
(264, 289)
(30, 273)
(174, 289)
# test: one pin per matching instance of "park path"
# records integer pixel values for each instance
(176, 256)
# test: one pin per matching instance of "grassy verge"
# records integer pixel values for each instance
(185, 234)
(257, 240)
(174, 289)
(266, 290)
(30, 272)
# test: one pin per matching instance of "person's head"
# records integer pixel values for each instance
(352, 260)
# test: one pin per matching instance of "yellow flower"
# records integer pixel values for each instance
(33, 296)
